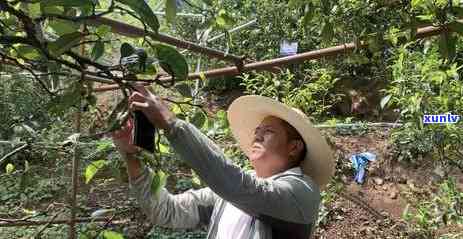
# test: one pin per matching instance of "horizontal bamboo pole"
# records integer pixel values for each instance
(297, 58)
(132, 31)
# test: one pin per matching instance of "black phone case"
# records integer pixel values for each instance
(144, 131)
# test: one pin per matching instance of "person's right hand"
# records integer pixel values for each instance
(123, 139)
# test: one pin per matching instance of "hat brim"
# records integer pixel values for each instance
(247, 112)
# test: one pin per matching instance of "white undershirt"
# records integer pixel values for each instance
(234, 223)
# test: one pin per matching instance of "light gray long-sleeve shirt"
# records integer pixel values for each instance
(283, 206)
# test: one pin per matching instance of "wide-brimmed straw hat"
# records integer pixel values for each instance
(247, 112)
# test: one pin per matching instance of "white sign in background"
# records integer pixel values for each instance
(288, 48)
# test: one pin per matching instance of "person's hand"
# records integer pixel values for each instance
(123, 139)
(152, 106)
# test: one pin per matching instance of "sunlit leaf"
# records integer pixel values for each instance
(104, 144)
(163, 149)
(92, 169)
(158, 182)
(9, 168)
(112, 235)
(103, 30)
(28, 52)
(223, 20)
(34, 10)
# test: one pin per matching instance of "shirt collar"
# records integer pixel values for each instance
(292, 171)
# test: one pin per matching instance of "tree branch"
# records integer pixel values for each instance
(12, 153)
(10, 40)
(16, 63)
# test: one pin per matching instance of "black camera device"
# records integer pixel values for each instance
(143, 131)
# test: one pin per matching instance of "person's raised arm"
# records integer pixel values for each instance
(186, 210)
(293, 199)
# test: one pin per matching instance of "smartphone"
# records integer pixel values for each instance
(143, 131)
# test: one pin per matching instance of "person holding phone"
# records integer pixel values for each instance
(279, 198)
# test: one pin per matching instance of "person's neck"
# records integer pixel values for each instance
(266, 173)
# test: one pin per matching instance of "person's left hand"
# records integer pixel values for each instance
(154, 108)
(123, 139)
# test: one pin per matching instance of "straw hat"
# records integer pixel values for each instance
(247, 112)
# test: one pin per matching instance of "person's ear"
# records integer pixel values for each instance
(296, 147)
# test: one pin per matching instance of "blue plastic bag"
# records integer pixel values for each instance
(359, 162)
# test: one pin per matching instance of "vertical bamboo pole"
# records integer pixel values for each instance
(76, 155)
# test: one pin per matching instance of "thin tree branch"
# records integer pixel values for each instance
(16, 62)
(37, 235)
(12, 153)
(79, 18)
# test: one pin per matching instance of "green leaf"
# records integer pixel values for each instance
(64, 43)
(171, 10)
(458, 11)
(172, 61)
(327, 32)
(98, 50)
(309, 15)
(34, 10)
(385, 100)
(9, 168)
(62, 27)
(50, 9)
(92, 169)
(163, 149)
(457, 27)
(144, 12)
(28, 52)
(447, 45)
(417, 3)
(126, 49)
(69, 3)
(104, 144)
(195, 180)
(102, 30)
(158, 182)
(198, 119)
(112, 235)
(184, 89)
(223, 20)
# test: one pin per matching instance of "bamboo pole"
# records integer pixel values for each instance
(269, 65)
(132, 31)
